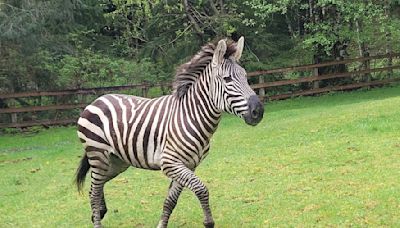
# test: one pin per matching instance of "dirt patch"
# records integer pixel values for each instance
(16, 160)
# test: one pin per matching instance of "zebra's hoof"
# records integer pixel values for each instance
(162, 224)
(209, 224)
(97, 225)
(96, 222)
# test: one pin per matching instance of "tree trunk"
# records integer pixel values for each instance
(213, 7)
(388, 37)
(188, 11)
(311, 11)
(317, 54)
(363, 50)
(289, 25)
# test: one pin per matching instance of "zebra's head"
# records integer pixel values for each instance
(229, 87)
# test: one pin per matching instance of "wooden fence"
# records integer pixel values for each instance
(262, 83)
(365, 62)
(78, 104)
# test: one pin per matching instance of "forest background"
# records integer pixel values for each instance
(61, 44)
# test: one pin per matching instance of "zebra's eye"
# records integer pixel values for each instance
(227, 79)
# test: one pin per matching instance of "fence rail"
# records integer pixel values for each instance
(82, 91)
(263, 87)
(320, 77)
(42, 108)
(333, 88)
(319, 65)
(49, 122)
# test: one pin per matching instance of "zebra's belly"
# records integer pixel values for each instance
(140, 154)
(149, 160)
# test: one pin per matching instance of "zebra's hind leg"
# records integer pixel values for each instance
(174, 191)
(104, 167)
(186, 177)
(96, 194)
(103, 207)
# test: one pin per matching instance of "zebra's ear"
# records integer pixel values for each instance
(239, 48)
(219, 53)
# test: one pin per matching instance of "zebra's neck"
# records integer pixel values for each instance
(198, 105)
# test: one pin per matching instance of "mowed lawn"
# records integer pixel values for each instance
(322, 161)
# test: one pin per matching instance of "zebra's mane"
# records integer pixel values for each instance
(187, 73)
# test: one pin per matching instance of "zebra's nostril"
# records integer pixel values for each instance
(254, 113)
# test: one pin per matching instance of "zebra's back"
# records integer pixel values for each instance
(132, 128)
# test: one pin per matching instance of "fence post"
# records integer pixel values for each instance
(367, 66)
(261, 91)
(162, 87)
(315, 73)
(145, 90)
(390, 64)
(14, 118)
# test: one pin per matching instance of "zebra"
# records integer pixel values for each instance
(171, 133)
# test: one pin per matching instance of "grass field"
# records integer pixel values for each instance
(316, 161)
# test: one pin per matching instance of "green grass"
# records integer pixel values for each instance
(316, 161)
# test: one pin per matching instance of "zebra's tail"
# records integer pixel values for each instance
(81, 172)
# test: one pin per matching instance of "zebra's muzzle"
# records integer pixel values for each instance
(255, 111)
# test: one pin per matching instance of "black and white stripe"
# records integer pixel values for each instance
(171, 133)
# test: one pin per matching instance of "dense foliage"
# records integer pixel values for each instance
(82, 43)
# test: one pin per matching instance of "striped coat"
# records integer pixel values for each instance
(170, 133)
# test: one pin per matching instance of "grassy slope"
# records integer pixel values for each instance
(331, 160)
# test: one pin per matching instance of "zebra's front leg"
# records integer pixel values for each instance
(174, 191)
(186, 177)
